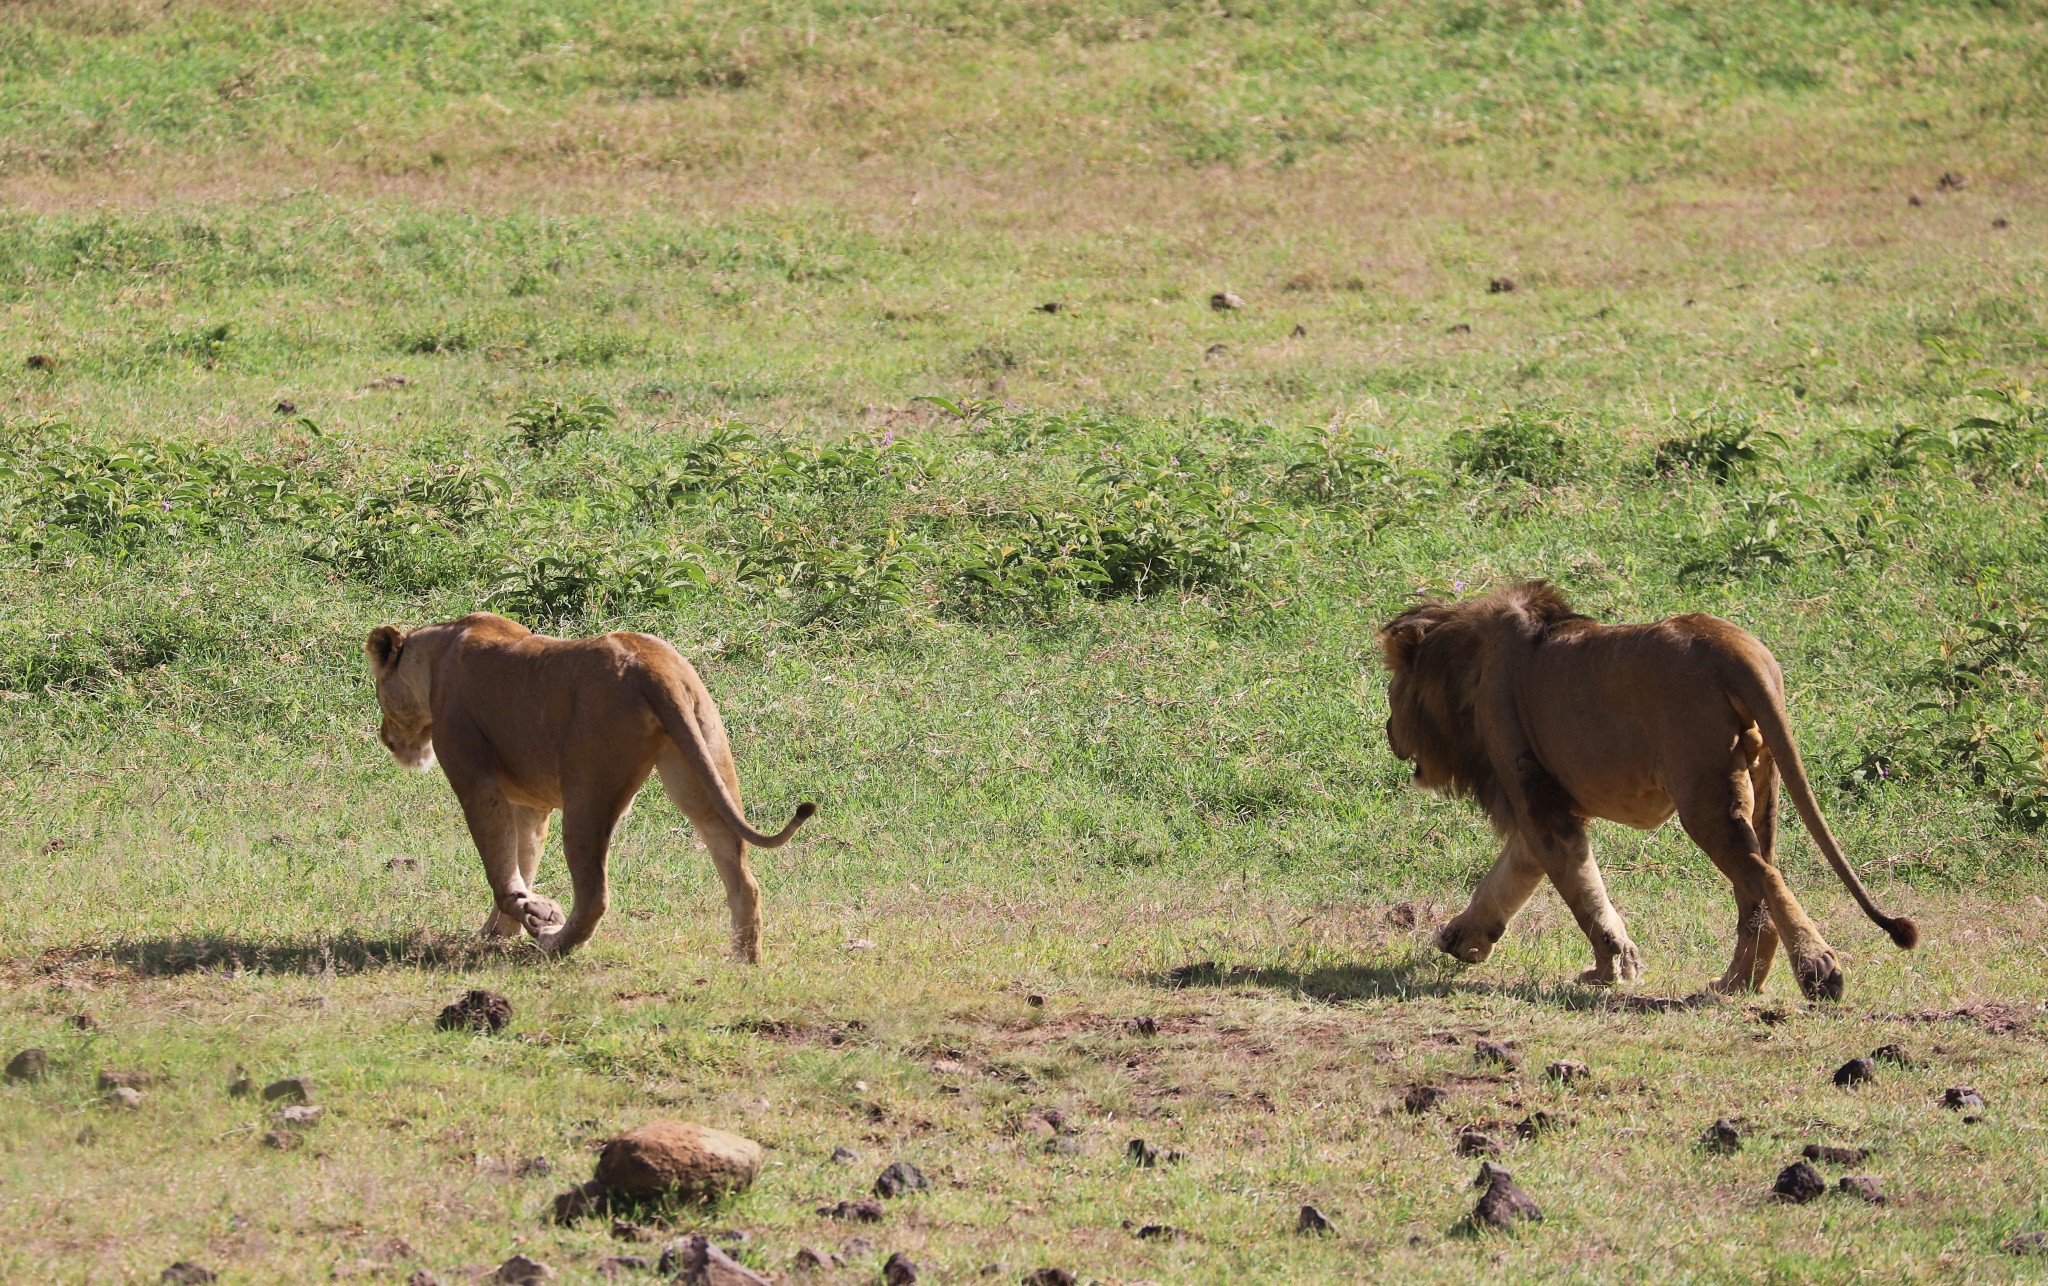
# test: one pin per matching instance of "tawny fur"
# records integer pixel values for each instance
(1547, 718)
(523, 724)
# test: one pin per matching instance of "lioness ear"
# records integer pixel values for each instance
(383, 647)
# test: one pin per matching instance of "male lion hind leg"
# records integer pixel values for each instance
(728, 851)
(1716, 815)
(1506, 888)
(1567, 858)
(502, 830)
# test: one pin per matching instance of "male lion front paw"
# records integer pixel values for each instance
(1625, 965)
(540, 914)
(1820, 978)
(1466, 943)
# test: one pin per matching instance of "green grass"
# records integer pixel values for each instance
(726, 325)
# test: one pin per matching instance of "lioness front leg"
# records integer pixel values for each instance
(535, 913)
(502, 830)
(1501, 895)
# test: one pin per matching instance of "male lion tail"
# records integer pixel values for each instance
(683, 730)
(1762, 699)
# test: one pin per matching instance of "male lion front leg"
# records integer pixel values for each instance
(1501, 895)
(1568, 859)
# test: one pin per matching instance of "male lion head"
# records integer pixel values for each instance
(403, 686)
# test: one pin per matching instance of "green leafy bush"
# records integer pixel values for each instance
(1529, 444)
(1720, 444)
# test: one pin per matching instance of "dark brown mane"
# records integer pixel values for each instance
(1434, 651)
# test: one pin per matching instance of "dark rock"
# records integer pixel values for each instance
(479, 1010)
(1950, 181)
(297, 1116)
(1501, 286)
(807, 1260)
(1299, 332)
(2026, 1243)
(1223, 302)
(1855, 1072)
(285, 406)
(900, 1177)
(1143, 1026)
(1474, 1142)
(1504, 1204)
(1216, 350)
(187, 1273)
(1156, 1231)
(84, 1022)
(1798, 1183)
(299, 1089)
(283, 1140)
(624, 1265)
(1496, 1053)
(1961, 1098)
(119, 1079)
(845, 1156)
(626, 1229)
(1866, 1186)
(1313, 1222)
(1835, 1156)
(1035, 1000)
(1421, 1098)
(1145, 1155)
(865, 1210)
(1458, 328)
(856, 1248)
(123, 1097)
(1722, 1137)
(1538, 1122)
(1488, 1172)
(1914, 201)
(241, 1086)
(583, 1201)
(1053, 307)
(421, 1277)
(678, 1159)
(2001, 223)
(694, 1261)
(533, 1168)
(902, 1271)
(1566, 1070)
(28, 1065)
(40, 362)
(521, 1271)
(1048, 1277)
(1894, 1054)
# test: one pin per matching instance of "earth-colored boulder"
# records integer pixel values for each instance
(692, 1162)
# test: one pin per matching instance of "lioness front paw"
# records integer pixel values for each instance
(539, 914)
(1820, 978)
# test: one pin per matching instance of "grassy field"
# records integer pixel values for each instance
(867, 352)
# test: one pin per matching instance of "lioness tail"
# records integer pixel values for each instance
(683, 730)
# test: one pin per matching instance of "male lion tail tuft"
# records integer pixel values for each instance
(1903, 931)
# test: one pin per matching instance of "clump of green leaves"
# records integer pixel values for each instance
(542, 424)
(1717, 443)
(1530, 444)
(1762, 533)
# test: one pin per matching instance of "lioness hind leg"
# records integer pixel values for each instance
(1716, 814)
(728, 851)
(1502, 893)
(531, 830)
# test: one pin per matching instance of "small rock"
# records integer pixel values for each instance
(1473, 1142)
(1216, 350)
(123, 1097)
(1495, 1053)
(1722, 1137)
(285, 406)
(28, 1065)
(115, 1078)
(1051, 307)
(1299, 332)
(1914, 201)
(1538, 1122)
(1158, 1231)
(187, 1273)
(624, 1265)
(1961, 1098)
(2001, 223)
(1047, 1277)
(1458, 328)
(1835, 1156)
(694, 1261)
(627, 1230)
(298, 1116)
(1035, 1000)
(1402, 915)
(901, 1271)
(1894, 1054)
(899, 1178)
(1501, 286)
(680, 1159)
(1855, 1072)
(1223, 302)
(282, 1140)
(1950, 181)
(299, 1089)
(807, 1260)
(241, 1086)
(84, 1022)
(1503, 1204)
(583, 1201)
(1488, 1172)
(845, 1156)
(421, 1277)
(1143, 1026)
(865, 1210)
(1421, 1098)
(479, 1010)
(41, 362)
(856, 1248)
(1061, 1145)
(521, 1271)
(1798, 1183)
(1142, 1154)
(1566, 1070)
(1868, 1187)
(1313, 1222)
(2026, 1243)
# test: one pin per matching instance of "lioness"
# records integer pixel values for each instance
(1546, 718)
(523, 724)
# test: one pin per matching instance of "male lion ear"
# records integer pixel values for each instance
(383, 647)
(1399, 641)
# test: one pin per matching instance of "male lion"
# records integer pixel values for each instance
(1547, 718)
(523, 724)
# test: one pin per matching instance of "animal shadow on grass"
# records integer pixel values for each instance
(341, 954)
(1416, 976)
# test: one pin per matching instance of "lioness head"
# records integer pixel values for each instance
(402, 683)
